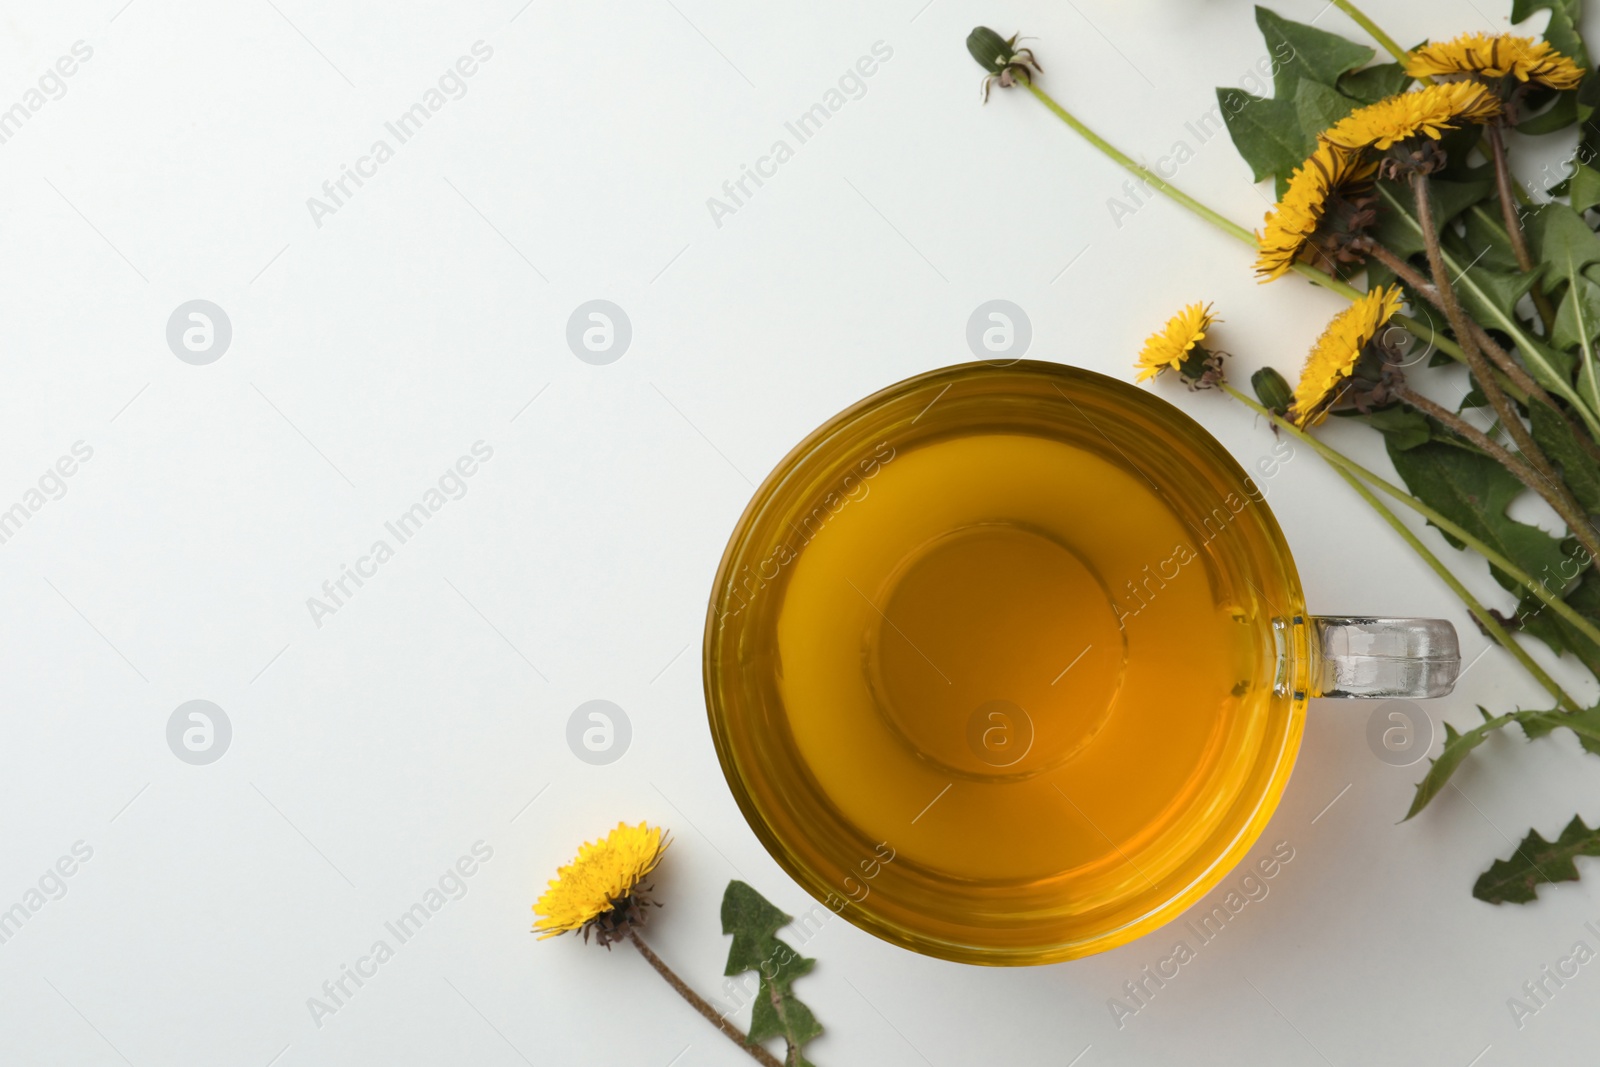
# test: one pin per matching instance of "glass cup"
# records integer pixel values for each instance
(1010, 664)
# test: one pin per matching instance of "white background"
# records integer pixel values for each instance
(423, 316)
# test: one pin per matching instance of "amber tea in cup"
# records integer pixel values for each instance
(1010, 664)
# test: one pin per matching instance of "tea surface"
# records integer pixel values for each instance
(1007, 658)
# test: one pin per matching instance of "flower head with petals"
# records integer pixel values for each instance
(1293, 223)
(1427, 112)
(600, 891)
(1176, 346)
(1495, 55)
(1333, 358)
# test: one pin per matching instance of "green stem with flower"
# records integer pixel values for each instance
(1420, 330)
(603, 894)
(1536, 472)
(1547, 429)
(1000, 56)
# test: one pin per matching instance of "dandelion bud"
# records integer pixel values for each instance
(1272, 390)
(991, 50)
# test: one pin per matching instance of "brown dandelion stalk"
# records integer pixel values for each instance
(1513, 222)
(701, 1005)
(1546, 482)
(1518, 382)
(1508, 209)
(603, 893)
(1462, 428)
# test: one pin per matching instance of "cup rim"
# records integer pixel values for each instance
(1224, 861)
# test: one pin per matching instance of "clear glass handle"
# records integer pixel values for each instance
(1357, 657)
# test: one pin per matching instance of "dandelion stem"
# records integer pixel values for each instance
(1143, 173)
(1462, 428)
(1484, 616)
(1417, 329)
(1424, 332)
(1360, 18)
(1508, 210)
(1514, 234)
(1353, 473)
(1525, 474)
(701, 1005)
(1517, 381)
(1445, 294)
(1505, 321)
(1548, 484)
(1347, 465)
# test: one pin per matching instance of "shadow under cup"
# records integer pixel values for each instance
(1007, 665)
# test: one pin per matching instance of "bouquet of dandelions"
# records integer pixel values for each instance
(1396, 190)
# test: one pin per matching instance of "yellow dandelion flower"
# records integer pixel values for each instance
(1170, 346)
(1293, 221)
(1427, 112)
(1333, 358)
(1496, 55)
(599, 890)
